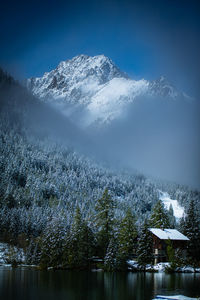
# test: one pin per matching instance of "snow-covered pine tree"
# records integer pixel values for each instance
(110, 257)
(51, 244)
(191, 228)
(145, 246)
(172, 219)
(159, 217)
(33, 252)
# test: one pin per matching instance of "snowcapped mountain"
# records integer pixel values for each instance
(96, 86)
(75, 80)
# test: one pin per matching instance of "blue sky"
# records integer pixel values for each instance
(144, 38)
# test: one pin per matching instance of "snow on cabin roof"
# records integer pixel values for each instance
(166, 234)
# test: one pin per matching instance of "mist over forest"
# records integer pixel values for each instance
(157, 137)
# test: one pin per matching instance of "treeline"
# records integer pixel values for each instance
(76, 244)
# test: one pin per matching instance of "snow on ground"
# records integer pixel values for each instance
(3, 251)
(8, 253)
(167, 201)
(160, 267)
(176, 297)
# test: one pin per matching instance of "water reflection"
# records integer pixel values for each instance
(30, 284)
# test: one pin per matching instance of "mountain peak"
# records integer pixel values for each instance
(82, 59)
(164, 88)
(72, 77)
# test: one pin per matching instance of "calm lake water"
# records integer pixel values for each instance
(30, 284)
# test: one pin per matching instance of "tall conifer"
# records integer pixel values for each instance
(159, 217)
(104, 221)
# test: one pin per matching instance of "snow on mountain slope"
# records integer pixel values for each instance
(108, 102)
(167, 201)
(75, 80)
(163, 88)
(96, 85)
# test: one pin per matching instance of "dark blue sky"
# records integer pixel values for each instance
(144, 38)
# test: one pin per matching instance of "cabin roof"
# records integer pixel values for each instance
(165, 234)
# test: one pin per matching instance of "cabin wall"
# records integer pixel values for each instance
(160, 248)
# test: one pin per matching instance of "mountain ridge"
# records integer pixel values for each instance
(96, 86)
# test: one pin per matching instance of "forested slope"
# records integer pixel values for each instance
(41, 173)
(48, 191)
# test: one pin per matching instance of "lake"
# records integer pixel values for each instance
(30, 284)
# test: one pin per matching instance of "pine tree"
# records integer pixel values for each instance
(126, 239)
(33, 252)
(159, 217)
(145, 247)
(80, 242)
(172, 257)
(51, 245)
(172, 219)
(110, 257)
(191, 228)
(104, 221)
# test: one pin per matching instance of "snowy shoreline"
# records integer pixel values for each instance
(160, 267)
(19, 258)
(176, 297)
(132, 267)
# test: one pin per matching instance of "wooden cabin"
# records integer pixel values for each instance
(160, 238)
